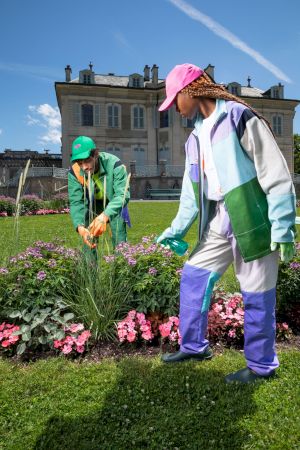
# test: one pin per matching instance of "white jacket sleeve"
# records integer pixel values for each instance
(187, 211)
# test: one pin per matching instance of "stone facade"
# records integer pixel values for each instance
(120, 114)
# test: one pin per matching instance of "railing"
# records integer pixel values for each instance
(174, 171)
(37, 172)
(147, 171)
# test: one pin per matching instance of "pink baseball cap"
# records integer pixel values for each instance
(177, 79)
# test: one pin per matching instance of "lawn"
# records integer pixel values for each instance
(137, 402)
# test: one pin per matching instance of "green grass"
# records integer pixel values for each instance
(140, 403)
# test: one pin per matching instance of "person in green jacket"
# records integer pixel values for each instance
(98, 193)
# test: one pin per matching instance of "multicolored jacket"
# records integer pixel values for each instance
(115, 174)
(258, 190)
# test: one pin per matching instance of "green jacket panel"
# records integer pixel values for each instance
(115, 173)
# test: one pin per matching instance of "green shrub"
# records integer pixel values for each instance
(288, 291)
(59, 201)
(30, 203)
(7, 205)
(98, 299)
(38, 274)
(153, 272)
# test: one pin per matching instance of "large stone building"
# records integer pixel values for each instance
(121, 114)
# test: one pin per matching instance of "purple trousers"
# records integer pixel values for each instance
(217, 250)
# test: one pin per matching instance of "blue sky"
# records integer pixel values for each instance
(39, 38)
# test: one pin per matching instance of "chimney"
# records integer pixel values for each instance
(154, 71)
(210, 70)
(146, 73)
(68, 71)
(281, 90)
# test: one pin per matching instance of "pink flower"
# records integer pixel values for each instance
(175, 320)
(131, 314)
(57, 344)
(232, 333)
(66, 349)
(5, 343)
(80, 348)
(76, 327)
(165, 329)
(131, 336)
(140, 316)
(147, 335)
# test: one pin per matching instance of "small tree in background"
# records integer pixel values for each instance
(297, 153)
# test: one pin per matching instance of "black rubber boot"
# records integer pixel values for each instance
(181, 356)
(246, 376)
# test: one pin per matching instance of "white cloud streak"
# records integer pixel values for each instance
(225, 34)
(46, 116)
(121, 40)
(39, 72)
(1, 131)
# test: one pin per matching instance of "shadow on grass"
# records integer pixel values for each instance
(187, 406)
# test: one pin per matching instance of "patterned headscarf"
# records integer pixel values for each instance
(204, 86)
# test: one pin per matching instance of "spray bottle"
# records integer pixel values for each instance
(176, 245)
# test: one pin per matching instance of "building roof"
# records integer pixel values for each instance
(112, 80)
(251, 92)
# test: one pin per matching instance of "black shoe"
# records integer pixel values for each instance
(246, 376)
(181, 356)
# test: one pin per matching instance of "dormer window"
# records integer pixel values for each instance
(136, 80)
(234, 88)
(86, 77)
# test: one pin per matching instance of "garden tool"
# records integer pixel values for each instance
(287, 250)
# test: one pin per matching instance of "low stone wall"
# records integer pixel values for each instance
(44, 187)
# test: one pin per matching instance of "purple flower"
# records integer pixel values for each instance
(131, 261)
(152, 271)
(3, 270)
(41, 275)
(51, 263)
(295, 265)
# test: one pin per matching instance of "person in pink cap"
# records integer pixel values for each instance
(238, 185)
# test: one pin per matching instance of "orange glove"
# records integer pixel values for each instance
(86, 236)
(98, 226)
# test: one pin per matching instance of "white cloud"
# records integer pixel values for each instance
(121, 40)
(46, 116)
(39, 72)
(219, 30)
(1, 131)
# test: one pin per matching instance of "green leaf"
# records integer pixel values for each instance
(16, 333)
(59, 335)
(21, 348)
(43, 340)
(15, 314)
(26, 336)
(47, 328)
(68, 316)
(24, 328)
(27, 317)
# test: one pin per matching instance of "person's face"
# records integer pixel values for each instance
(89, 164)
(186, 106)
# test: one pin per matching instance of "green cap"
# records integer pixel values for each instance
(82, 148)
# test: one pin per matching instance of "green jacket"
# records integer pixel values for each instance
(115, 174)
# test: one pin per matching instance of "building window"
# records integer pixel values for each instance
(86, 79)
(164, 153)
(136, 82)
(164, 119)
(139, 156)
(138, 117)
(277, 124)
(113, 113)
(188, 123)
(114, 150)
(87, 115)
(234, 90)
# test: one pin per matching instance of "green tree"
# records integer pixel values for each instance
(297, 153)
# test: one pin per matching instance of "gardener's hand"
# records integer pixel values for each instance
(98, 226)
(287, 250)
(86, 236)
